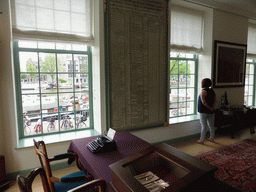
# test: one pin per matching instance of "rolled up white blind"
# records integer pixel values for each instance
(54, 20)
(251, 42)
(186, 30)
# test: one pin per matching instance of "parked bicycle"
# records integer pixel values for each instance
(81, 121)
(38, 127)
(51, 125)
(66, 122)
(27, 123)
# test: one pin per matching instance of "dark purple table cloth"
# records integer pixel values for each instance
(98, 164)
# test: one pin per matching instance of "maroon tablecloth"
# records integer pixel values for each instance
(98, 164)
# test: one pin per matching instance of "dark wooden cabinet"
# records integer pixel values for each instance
(235, 119)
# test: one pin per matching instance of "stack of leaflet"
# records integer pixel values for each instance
(151, 181)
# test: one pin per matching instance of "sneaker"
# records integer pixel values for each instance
(200, 142)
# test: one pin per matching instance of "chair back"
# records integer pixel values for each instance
(25, 183)
(40, 150)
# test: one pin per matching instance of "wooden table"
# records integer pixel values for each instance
(98, 164)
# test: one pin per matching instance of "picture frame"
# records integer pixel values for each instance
(229, 64)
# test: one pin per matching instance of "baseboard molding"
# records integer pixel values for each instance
(180, 139)
(54, 167)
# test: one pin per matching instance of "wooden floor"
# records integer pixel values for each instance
(189, 146)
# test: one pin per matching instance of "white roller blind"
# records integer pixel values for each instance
(54, 20)
(251, 42)
(186, 30)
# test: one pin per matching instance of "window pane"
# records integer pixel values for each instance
(246, 90)
(190, 94)
(251, 69)
(31, 104)
(27, 125)
(49, 103)
(182, 108)
(29, 83)
(174, 54)
(27, 44)
(246, 100)
(182, 95)
(250, 90)
(190, 108)
(250, 79)
(174, 67)
(249, 100)
(191, 67)
(48, 63)
(50, 122)
(189, 55)
(67, 121)
(246, 79)
(63, 46)
(173, 110)
(79, 47)
(82, 61)
(65, 83)
(190, 80)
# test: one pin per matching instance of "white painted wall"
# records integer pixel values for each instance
(22, 159)
(231, 28)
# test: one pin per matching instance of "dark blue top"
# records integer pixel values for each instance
(209, 100)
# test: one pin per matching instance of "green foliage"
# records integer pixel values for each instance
(49, 65)
(179, 67)
(31, 68)
(63, 80)
(23, 76)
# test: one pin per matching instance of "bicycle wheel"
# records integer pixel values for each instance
(64, 125)
(50, 127)
(70, 125)
(81, 125)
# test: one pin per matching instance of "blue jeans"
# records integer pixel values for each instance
(204, 120)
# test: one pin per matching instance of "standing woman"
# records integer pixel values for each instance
(206, 108)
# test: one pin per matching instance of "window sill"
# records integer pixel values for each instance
(184, 119)
(62, 137)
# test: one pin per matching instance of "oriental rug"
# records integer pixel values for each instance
(236, 164)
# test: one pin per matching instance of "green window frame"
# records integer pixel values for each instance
(183, 84)
(249, 89)
(60, 99)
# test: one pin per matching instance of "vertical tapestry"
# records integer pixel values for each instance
(137, 55)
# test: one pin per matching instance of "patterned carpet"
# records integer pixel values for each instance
(236, 164)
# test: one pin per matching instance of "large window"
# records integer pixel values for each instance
(183, 84)
(186, 43)
(53, 84)
(249, 89)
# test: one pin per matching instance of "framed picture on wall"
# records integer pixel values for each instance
(229, 64)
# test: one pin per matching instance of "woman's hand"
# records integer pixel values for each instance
(211, 108)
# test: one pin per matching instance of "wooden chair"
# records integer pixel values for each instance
(68, 181)
(25, 183)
